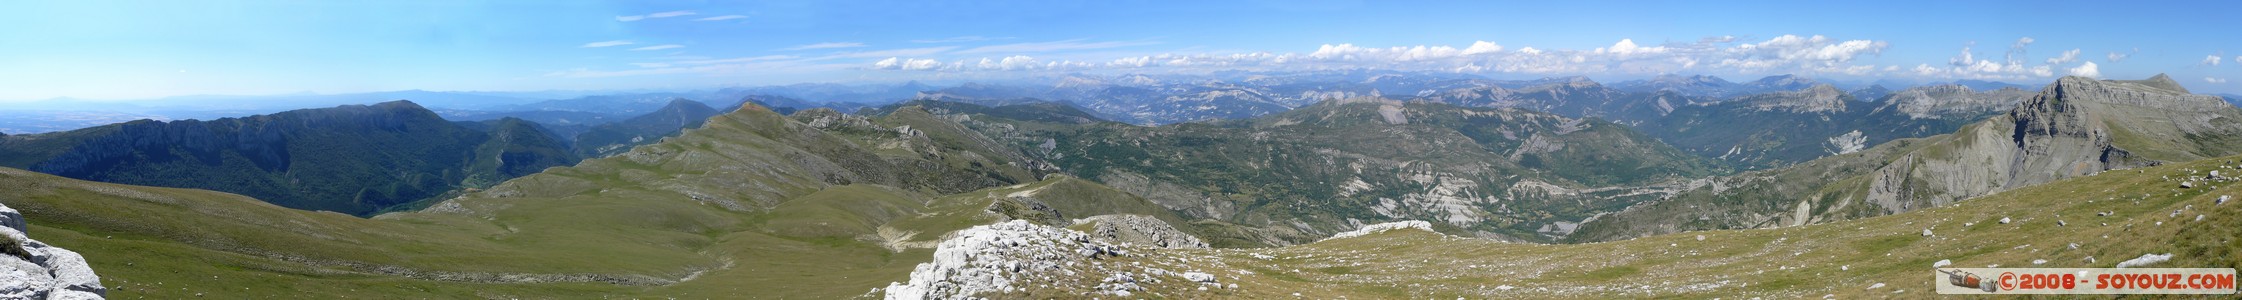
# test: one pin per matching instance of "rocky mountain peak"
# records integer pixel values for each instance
(1785, 81)
(2160, 81)
(2072, 128)
(1952, 100)
(400, 104)
(1697, 80)
(1819, 98)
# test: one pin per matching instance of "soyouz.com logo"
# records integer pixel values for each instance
(2084, 281)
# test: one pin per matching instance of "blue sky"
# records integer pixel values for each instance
(146, 49)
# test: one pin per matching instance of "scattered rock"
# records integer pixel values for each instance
(2187, 184)
(2004, 220)
(2039, 261)
(1876, 286)
(1942, 263)
(2144, 260)
(1383, 227)
(1198, 277)
(1003, 257)
(1926, 232)
(1140, 229)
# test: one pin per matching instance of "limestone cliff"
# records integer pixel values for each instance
(2074, 127)
(30, 269)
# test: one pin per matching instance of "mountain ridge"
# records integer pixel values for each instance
(2074, 127)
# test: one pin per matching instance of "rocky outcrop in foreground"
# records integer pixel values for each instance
(1019, 259)
(1003, 257)
(30, 269)
(1139, 229)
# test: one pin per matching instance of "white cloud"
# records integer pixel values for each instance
(606, 44)
(658, 47)
(2212, 60)
(2087, 70)
(1627, 47)
(658, 15)
(2012, 66)
(1964, 60)
(1793, 54)
(1074, 44)
(828, 45)
(2214, 80)
(667, 14)
(2016, 51)
(2068, 57)
(721, 18)
(893, 63)
(2118, 57)
(1010, 63)
(1816, 48)
(1482, 47)
(1134, 62)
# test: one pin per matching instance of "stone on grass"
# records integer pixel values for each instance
(2144, 260)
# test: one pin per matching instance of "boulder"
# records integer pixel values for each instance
(1139, 229)
(34, 270)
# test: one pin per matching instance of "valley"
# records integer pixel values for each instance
(906, 150)
(860, 204)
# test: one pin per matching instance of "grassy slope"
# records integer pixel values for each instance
(1291, 167)
(645, 219)
(1843, 258)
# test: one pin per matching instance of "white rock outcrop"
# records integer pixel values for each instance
(1848, 143)
(2144, 260)
(1382, 227)
(1139, 230)
(1004, 257)
(30, 269)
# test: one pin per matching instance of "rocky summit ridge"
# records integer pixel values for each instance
(2074, 127)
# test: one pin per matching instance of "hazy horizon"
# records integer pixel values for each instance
(128, 50)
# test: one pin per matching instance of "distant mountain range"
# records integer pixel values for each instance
(2075, 127)
(1339, 183)
(354, 159)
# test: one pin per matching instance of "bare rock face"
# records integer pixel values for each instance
(2075, 127)
(30, 269)
(1952, 100)
(1139, 230)
(1007, 257)
(1383, 227)
(1818, 99)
